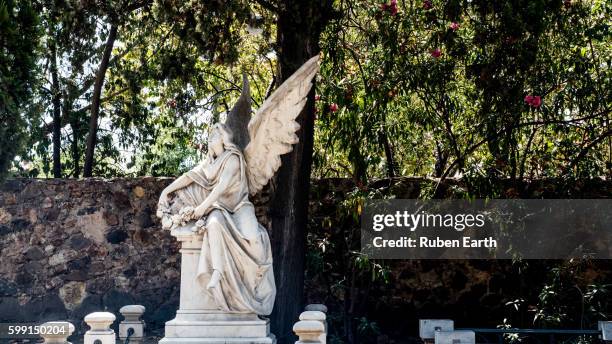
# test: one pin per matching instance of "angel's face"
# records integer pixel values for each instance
(215, 143)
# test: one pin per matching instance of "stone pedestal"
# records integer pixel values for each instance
(57, 337)
(197, 319)
(131, 327)
(100, 331)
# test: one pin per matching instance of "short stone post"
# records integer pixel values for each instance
(131, 327)
(308, 331)
(428, 328)
(455, 337)
(57, 332)
(99, 323)
(316, 316)
(605, 328)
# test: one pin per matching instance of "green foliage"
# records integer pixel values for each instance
(567, 299)
(439, 88)
(335, 264)
(429, 88)
(19, 33)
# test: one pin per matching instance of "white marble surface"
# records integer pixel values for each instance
(455, 337)
(99, 323)
(309, 331)
(428, 327)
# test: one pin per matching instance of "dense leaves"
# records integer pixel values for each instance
(486, 90)
(513, 89)
(19, 39)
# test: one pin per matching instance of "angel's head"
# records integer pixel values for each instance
(219, 140)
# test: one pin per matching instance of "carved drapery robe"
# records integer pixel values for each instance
(233, 242)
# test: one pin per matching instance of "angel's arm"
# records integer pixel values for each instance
(179, 183)
(232, 166)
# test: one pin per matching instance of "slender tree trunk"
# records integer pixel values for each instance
(76, 157)
(299, 26)
(57, 115)
(384, 140)
(95, 102)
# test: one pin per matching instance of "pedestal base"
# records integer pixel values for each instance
(217, 328)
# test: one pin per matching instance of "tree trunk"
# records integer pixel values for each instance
(57, 116)
(384, 141)
(299, 27)
(95, 102)
(75, 127)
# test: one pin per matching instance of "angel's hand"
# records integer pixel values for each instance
(201, 210)
(163, 199)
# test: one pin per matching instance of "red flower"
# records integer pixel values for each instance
(317, 97)
(393, 7)
(390, 7)
(436, 53)
(333, 107)
(454, 26)
(427, 4)
(533, 101)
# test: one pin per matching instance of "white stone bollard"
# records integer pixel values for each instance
(317, 316)
(57, 332)
(131, 321)
(605, 328)
(455, 337)
(99, 323)
(309, 331)
(428, 328)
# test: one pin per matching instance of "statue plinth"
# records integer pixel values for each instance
(198, 320)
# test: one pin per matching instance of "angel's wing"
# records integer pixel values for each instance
(272, 129)
(238, 118)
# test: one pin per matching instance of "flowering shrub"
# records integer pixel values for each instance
(491, 90)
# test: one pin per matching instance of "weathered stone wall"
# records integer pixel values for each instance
(70, 247)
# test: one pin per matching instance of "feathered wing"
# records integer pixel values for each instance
(272, 129)
(238, 118)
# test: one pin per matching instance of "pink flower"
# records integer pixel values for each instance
(427, 4)
(393, 7)
(533, 101)
(454, 26)
(436, 53)
(333, 107)
(390, 7)
(317, 97)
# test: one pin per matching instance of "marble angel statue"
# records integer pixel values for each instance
(235, 264)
